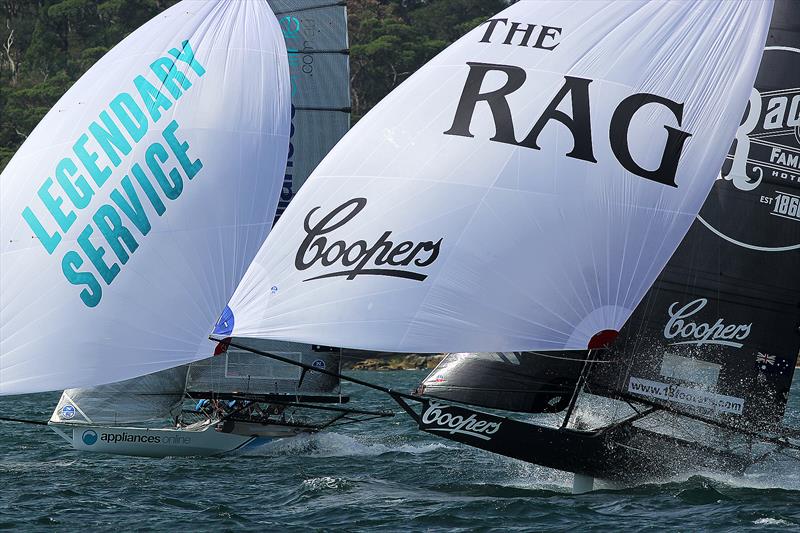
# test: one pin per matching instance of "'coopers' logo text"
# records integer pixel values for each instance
(381, 258)
(434, 415)
(686, 332)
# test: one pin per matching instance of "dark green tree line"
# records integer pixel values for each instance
(45, 45)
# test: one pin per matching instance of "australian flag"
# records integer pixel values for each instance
(773, 365)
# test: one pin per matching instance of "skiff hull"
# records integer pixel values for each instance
(162, 442)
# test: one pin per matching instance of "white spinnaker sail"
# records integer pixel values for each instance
(521, 191)
(132, 211)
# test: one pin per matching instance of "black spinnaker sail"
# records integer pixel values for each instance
(718, 335)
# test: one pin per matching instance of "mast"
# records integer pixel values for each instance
(316, 38)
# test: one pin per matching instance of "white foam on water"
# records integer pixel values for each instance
(772, 477)
(30, 466)
(771, 522)
(326, 483)
(517, 474)
(338, 445)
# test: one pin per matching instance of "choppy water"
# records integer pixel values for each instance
(377, 476)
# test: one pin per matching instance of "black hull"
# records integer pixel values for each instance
(621, 454)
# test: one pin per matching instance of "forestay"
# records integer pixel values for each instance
(132, 211)
(521, 191)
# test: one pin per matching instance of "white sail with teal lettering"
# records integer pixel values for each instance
(519, 192)
(132, 211)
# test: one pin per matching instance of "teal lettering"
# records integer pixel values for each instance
(130, 115)
(167, 71)
(155, 153)
(152, 98)
(95, 255)
(89, 160)
(49, 241)
(148, 189)
(110, 225)
(110, 138)
(179, 149)
(53, 204)
(69, 264)
(79, 192)
(132, 206)
(186, 55)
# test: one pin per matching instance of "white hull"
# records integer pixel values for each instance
(204, 440)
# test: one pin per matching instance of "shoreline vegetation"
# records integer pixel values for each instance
(387, 362)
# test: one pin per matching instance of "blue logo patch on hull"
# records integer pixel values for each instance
(89, 437)
(67, 412)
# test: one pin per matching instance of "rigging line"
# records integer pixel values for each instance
(578, 387)
(576, 360)
(21, 421)
(297, 51)
(315, 369)
(711, 422)
(310, 8)
(320, 108)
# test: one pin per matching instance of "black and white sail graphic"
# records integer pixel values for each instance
(319, 65)
(718, 335)
(521, 191)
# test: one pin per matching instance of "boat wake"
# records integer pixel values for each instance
(326, 483)
(339, 445)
